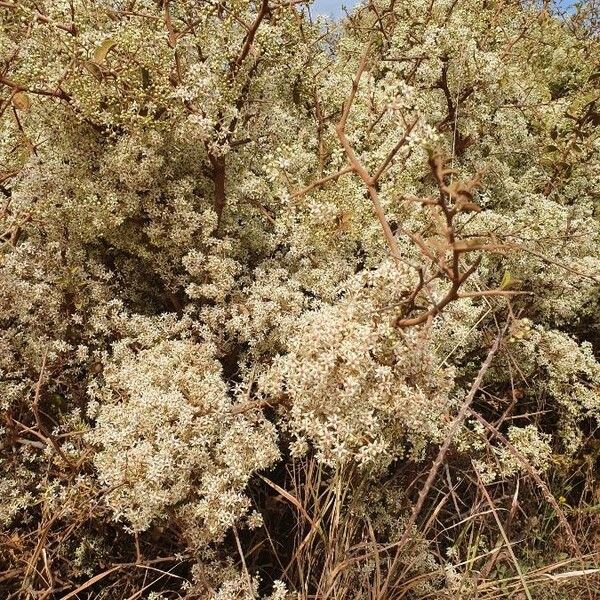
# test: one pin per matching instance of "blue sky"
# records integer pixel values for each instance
(332, 8)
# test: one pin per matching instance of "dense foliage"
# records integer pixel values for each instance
(299, 309)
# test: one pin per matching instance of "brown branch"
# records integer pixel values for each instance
(448, 440)
(350, 100)
(59, 93)
(41, 433)
(171, 32)
(356, 164)
(265, 212)
(322, 181)
(249, 37)
(435, 310)
(218, 172)
(30, 145)
(371, 189)
(461, 193)
(454, 198)
(527, 466)
(390, 157)
(6, 175)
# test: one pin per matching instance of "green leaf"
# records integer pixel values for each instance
(105, 47)
(508, 281)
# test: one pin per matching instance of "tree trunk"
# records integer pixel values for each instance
(219, 182)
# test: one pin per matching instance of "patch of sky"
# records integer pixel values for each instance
(332, 8)
(335, 8)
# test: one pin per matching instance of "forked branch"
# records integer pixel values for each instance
(454, 198)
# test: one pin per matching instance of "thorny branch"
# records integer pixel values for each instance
(454, 198)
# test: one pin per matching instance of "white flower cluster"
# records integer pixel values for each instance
(168, 441)
(529, 448)
(358, 391)
(566, 375)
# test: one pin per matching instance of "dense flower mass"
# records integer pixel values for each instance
(294, 308)
(167, 437)
(357, 389)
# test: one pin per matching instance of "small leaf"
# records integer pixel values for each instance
(105, 47)
(508, 281)
(21, 101)
(94, 69)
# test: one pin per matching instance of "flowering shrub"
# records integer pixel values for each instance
(294, 308)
